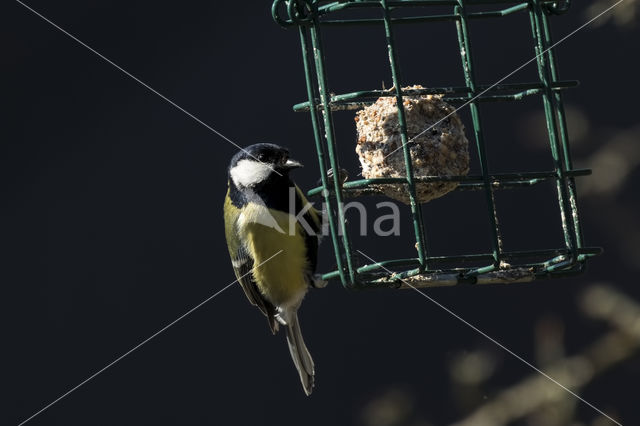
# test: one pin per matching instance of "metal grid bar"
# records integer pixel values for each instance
(467, 182)
(316, 42)
(514, 91)
(562, 124)
(304, 43)
(466, 56)
(416, 213)
(551, 109)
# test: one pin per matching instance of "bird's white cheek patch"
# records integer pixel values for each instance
(247, 173)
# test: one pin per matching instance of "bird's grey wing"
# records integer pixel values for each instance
(242, 266)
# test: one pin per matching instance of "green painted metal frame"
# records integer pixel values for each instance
(311, 16)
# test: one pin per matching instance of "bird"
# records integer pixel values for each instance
(272, 234)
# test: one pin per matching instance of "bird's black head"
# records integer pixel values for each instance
(260, 163)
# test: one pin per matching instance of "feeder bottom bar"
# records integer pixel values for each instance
(514, 275)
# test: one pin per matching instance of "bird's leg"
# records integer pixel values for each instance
(278, 316)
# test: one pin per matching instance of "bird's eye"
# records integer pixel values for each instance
(262, 158)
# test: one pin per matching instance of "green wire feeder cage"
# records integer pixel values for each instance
(500, 266)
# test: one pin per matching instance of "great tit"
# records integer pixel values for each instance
(272, 233)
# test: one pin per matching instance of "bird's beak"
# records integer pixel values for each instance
(292, 164)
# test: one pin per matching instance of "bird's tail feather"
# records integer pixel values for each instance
(300, 354)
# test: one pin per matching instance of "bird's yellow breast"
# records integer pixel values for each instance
(274, 234)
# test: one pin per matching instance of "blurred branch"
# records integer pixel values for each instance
(615, 165)
(624, 16)
(392, 408)
(534, 392)
(612, 164)
(602, 301)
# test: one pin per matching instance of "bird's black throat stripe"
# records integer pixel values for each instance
(273, 192)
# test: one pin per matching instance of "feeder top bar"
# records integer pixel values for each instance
(299, 11)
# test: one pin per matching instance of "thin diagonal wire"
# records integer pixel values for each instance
(136, 79)
(508, 75)
(476, 329)
(141, 343)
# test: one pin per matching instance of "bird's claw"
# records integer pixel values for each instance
(343, 176)
(318, 282)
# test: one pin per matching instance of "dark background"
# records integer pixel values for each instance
(112, 226)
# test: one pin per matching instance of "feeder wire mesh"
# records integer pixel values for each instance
(500, 266)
